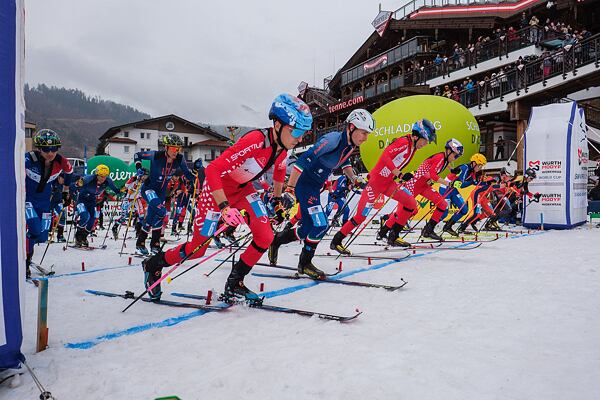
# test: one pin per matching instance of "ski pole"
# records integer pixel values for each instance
(112, 217)
(52, 234)
(354, 236)
(192, 213)
(427, 214)
(131, 207)
(175, 266)
(219, 251)
(340, 211)
(70, 229)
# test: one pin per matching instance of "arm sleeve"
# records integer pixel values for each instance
(401, 144)
(142, 155)
(280, 169)
(233, 157)
(436, 163)
(67, 170)
(112, 186)
(186, 171)
(324, 145)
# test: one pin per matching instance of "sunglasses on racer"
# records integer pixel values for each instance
(49, 149)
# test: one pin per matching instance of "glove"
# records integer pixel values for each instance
(290, 193)
(232, 216)
(140, 172)
(455, 170)
(279, 210)
(359, 182)
(66, 198)
(457, 184)
(406, 177)
(537, 196)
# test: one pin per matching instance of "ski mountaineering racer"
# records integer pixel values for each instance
(308, 176)
(228, 189)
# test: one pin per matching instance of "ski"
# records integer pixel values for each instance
(288, 268)
(286, 310)
(43, 271)
(335, 281)
(362, 256)
(428, 245)
(86, 248)
(140, 255)
(465, 240)
(130, 296)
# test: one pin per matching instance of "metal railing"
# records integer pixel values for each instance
(562, 62)
(414, 5)
(407, 49)
(471, 57)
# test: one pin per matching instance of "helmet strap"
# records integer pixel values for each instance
(350, 132)
(278, 134)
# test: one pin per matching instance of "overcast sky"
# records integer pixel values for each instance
(218, 62)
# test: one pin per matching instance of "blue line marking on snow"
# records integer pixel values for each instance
(275, 293)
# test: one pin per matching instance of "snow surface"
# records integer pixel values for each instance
(517, 318)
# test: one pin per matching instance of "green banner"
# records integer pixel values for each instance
(120, 172)
(396, 118)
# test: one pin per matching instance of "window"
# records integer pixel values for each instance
(125, 133)
(148, 136)
(126, 149)
(141, 135)
(185, 141)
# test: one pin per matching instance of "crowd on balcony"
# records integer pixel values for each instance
(515, 76)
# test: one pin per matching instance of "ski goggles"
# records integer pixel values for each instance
(49, 149)
(297, 133)
(173, 148)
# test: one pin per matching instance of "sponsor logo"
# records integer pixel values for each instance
(243, 152)
(345, 104)
(551, 199)
(582, 156)
(535, 165)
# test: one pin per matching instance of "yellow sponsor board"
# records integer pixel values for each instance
(396, 118)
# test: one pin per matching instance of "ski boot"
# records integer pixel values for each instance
(336, 244)
(115, 231)
(461, 228)
(382, 232)
(152, 272)
(81, 238)
(140, 244)
(306, 267)
(448, 229)
(394, 239)
(474, 226)
(60, 234)
(282, 237)
(429, 232)
(155, 241)
(235, 288)
(218, 242)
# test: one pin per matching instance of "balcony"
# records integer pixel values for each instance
(416, 45)
(560, 67)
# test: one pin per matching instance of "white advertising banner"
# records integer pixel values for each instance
(556, 148)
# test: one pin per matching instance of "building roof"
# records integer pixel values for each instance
(206, 130)
(214, 143)
(121, 140)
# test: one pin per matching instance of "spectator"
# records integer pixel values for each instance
(499, 149)
(594, 194)
(524, 21)
(546, 64)
(447, 92)
(455, 95)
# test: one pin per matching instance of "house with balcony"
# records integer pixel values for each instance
(511, 61)
(125, 140)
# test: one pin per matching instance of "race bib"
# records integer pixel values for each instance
(210, 223)
(258, 207)
(150, 195)
(46, 221)
(317, 216)
(30, 211)
(367, 209)
(81, 208)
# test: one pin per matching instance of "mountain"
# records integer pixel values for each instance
(78, 118)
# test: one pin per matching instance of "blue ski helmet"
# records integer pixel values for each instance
(423, 128)
(292, 111)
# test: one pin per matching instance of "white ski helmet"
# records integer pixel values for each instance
(361, 119)
(455, 146)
